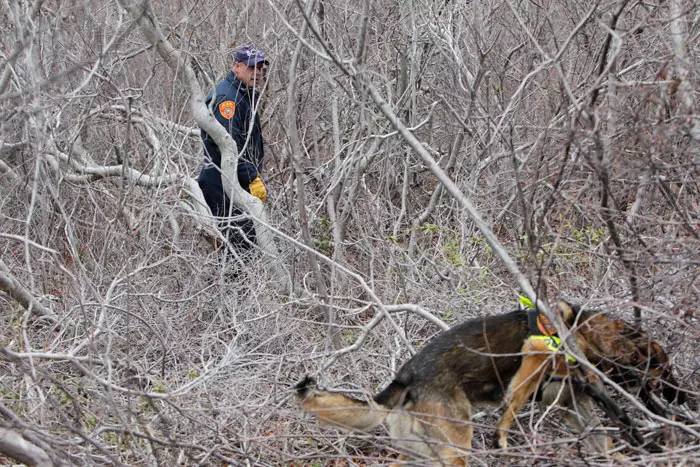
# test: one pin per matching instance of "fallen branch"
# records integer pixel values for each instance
(13, 445)
(21, 295)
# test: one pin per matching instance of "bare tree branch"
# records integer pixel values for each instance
(16, 447)
(14, 288)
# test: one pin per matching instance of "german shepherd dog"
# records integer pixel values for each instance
(428, 405)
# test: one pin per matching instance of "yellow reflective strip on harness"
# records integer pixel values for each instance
(553, 343)
(526, 302)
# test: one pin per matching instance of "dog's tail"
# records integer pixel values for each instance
(340, 410)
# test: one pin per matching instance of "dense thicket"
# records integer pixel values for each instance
(570, 125)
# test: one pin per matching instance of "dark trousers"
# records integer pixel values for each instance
(239, 231)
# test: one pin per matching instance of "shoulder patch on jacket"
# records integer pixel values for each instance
(227, 109)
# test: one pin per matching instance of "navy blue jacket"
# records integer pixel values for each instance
(238, 125)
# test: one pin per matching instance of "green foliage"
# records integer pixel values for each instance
(576, 251)
(589, 235)
(111, 438)
(574, 247)
(453, 253)
(89, 422)
(160, 387)
(452, 249)
(430, 229)
(63, 397)
(324, 238)
(480, 241)
(145, 406)
(349, 335)
(17, 322)
(10, 397)
(522, 255)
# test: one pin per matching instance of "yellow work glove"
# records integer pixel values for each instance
(257, 189)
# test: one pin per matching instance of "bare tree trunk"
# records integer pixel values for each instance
(333, 331)
(680, 41)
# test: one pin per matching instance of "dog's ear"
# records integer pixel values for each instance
(568, 312)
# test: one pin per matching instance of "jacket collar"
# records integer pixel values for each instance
(236, 84)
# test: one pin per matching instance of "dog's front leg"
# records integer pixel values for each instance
(536, 360)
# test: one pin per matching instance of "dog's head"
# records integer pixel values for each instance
(644, 362)
(659, 377)
(627, 354)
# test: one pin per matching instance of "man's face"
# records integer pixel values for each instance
(251, 76)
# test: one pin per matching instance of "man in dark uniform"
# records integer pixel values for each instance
(235, 106)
